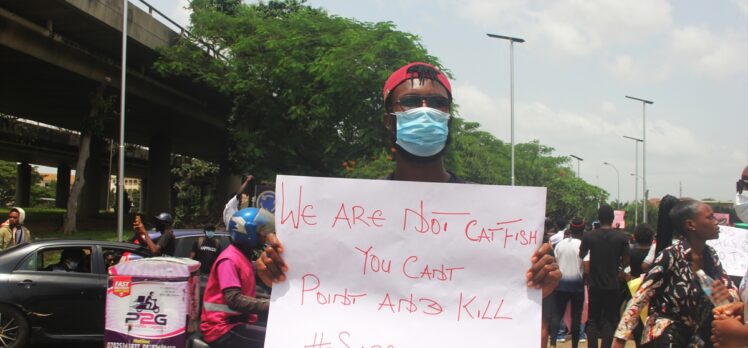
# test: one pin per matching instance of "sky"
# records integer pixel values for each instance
(580, 59)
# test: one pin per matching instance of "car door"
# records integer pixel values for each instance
(61, 302)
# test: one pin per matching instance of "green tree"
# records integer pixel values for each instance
(477, 156)
(190, 179)
(306, 85)
(42, 195)
(7, 183)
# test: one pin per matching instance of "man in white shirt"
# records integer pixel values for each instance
(571, 286)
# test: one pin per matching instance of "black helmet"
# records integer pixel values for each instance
(163, 220)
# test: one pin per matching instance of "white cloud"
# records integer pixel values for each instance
(537, 120)
(742, 5)
(625, 68)
(607, 107)
(705, 53)
(680, 153)
(573, 27)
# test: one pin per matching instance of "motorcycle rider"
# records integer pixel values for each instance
(229, 302)
(166, 244)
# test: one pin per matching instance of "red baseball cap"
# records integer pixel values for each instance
(406, 73)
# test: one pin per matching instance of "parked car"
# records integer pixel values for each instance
(39, 302)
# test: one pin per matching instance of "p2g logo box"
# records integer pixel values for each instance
(152, 303)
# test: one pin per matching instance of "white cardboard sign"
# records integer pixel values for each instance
(379, 263)
(732, 249)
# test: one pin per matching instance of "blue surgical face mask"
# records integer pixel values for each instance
(210, 234)
(422, 131)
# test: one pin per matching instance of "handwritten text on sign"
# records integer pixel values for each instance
(378, 263)
(732, 249)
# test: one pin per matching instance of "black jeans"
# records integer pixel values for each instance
(603, 316)
(241, 336)
(577, 304)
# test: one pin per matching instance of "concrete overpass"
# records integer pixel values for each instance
(55, 53)
(31, 143)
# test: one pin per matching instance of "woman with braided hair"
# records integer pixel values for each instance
(679, 311)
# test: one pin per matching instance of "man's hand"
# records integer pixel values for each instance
(139, 228)
(729, 333)
(270, 265)
(244, 187)
(544, 273)
(732, 310)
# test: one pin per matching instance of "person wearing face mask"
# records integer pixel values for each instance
(70, 261)
(417, 101)
(206, 249)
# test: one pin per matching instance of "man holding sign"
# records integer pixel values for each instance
(418, 102)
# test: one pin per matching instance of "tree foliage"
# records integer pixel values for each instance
(7, 183)
(306, 85)
(8, 186)
(307, 99)
(191, 177)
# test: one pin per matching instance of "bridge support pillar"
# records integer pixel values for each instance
(90, 200)
(62, 191)
(23, 185)
(158, 183)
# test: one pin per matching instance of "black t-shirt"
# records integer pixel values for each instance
(206, 253)
(167, 242)
(637, 257)
(606, 247)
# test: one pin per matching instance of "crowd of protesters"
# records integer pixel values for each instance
(671, 291)
(634, 288)
(578, 262)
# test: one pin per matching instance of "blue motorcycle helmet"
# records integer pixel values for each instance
(248, 224)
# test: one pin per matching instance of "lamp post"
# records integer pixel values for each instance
(636, 175)
(636, 198)
(618, 179)
(579, 159)
(121, 152)
(512, 40)
(644, 151)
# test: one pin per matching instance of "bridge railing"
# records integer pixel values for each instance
(209, 48)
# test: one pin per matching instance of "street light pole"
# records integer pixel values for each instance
(618, 178)
(512, 40)
(121, 152)
(636, 198)
(636, 175)
(644, 152)
(579, 159)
